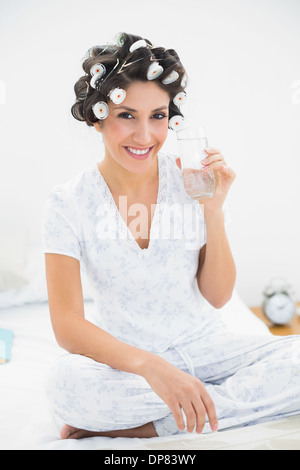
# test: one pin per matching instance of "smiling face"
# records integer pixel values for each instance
(135, 130)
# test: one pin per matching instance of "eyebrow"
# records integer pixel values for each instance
(135, 111)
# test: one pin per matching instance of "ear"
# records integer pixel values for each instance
(97, 126)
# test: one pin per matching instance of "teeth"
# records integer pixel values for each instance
(138, 152)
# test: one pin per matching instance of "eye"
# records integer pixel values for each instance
(159, 116)
(125, 116)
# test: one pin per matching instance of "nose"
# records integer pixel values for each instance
(142, 134)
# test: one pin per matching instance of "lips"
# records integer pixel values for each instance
(139, 153)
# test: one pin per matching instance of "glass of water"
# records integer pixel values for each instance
(192, 143)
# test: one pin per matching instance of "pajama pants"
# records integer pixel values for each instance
(250, 379)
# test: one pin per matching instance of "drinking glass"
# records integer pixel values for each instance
(192, 142)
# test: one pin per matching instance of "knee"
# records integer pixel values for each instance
(65, 378)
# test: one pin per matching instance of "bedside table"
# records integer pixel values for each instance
(293, 328)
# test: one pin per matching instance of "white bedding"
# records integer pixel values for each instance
(25, 421)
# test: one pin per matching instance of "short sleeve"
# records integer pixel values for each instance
(59, 224)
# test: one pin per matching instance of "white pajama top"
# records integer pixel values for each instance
(148, 298)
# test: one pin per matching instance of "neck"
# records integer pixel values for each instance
(124, 182)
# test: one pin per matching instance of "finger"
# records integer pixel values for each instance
(190, 414)
(213, 158)
(229, 172)
(200, 415)
(210, 410)
(226, 171)
(177, 413)
(215, 166)
(211, 150)
(178, 163)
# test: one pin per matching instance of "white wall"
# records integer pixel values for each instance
(242, 57)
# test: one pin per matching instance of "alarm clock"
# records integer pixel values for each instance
(278, 305)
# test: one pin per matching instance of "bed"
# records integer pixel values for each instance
(26, 422)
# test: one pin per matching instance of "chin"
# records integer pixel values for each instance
(140, 167)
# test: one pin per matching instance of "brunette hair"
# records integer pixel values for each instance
(113, 56)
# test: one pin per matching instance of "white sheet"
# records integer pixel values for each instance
(25, 421)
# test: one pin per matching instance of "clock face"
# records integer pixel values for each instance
(279, 308)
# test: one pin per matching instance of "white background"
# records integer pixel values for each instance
(243, 61)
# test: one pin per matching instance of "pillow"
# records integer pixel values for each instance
(34, 290)
(13, 240)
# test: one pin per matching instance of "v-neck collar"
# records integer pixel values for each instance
(125, 233)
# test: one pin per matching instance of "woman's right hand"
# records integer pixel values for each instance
(181, 392)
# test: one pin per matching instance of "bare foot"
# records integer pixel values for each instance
(69, 432)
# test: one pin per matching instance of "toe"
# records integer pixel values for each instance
(66, 431)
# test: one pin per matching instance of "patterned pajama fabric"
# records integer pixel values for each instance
(149, 298)
(250, 379)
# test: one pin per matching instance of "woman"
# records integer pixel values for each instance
(156, 359)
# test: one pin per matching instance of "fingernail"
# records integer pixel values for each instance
(214, 427)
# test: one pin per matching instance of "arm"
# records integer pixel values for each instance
(179, 390)
(72, 331)
(216, 272)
